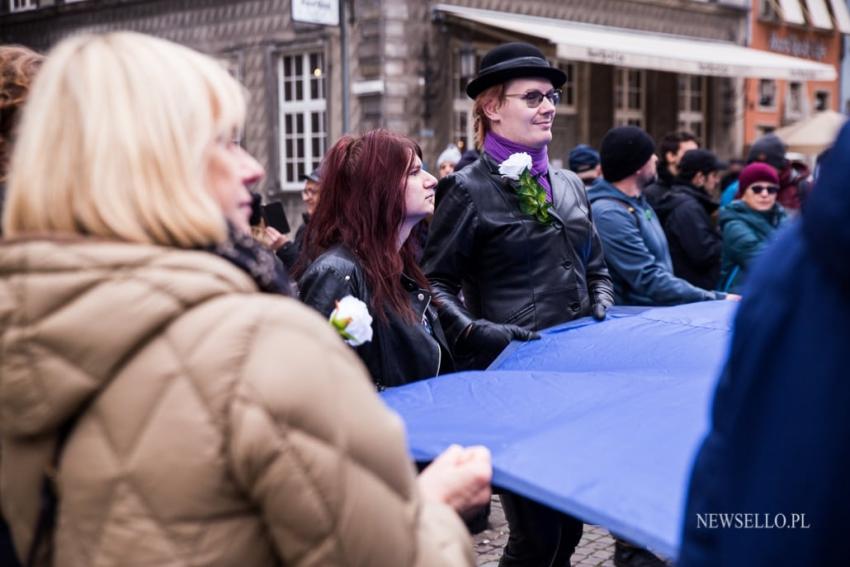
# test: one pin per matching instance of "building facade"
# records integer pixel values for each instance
(291, 70)
(808, 29)
(408, 62)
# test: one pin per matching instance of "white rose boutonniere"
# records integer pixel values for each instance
(515, 165)
(352, 320)
(532, 195)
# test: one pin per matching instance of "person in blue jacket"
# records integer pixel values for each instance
(635, 248)
(779, 442)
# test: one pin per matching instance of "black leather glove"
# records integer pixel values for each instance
(484, 340)
(600, 309)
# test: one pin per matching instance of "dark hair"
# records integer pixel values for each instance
(363, 207)
(671, 142)
(18, 67)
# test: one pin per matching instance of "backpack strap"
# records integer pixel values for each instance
(625, 205)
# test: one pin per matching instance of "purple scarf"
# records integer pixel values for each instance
(501, 149)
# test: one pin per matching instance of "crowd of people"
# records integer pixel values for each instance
(139, 299)
(716, 217)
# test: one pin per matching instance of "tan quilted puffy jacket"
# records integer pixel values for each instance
(218, 426)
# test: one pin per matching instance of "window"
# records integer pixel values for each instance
(692, 104)
(21, 5)
(463, 133)
(629, 97)
(768, 10)
(767, 94)
(303, 116)
(795, 101)
(821, 101)
(568, 100)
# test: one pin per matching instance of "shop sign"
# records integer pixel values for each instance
(806, 48)
(316, 12)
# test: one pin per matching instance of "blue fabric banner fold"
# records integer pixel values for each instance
(599, 420)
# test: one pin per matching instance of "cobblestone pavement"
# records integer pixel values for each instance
(596, 548)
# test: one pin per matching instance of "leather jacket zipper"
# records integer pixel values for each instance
(431, 332)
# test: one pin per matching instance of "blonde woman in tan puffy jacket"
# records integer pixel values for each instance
(204, 423)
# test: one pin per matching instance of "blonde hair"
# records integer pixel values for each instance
(481, 123)
(114, 140)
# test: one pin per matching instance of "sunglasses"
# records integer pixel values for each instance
(534, 98)
(771, 189)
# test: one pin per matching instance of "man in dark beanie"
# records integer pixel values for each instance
(636, 249)
(685, 212)
(524, 262)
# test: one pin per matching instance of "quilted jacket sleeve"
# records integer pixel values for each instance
(322, 458)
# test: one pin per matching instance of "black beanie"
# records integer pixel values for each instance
(624, 150)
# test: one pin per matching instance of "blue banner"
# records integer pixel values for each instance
(599, 420)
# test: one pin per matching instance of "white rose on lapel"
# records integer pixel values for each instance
(352, 320)
(513, 167)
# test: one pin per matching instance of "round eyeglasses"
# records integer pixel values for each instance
(534, 98)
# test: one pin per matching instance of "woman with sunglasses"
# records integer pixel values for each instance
(749, 222)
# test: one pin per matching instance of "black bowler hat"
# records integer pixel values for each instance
(513, 61)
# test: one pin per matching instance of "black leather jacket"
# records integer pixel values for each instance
(399, 352)
(512, 268)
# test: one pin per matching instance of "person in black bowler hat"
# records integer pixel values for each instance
(523, 262)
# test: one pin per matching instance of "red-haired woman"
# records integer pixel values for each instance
(374, 192)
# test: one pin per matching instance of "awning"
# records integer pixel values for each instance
(814, 134)
(792, 12)
(641, 50)
(842, 16)
(819, 14)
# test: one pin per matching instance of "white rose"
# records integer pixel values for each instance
(352, 320)
(513, 167)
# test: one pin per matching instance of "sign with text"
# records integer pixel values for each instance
(316, 11)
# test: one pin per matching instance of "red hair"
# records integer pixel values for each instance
(361, 207)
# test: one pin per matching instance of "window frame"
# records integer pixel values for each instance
(303, 108)
(16, 6)
(688, 117)
(773, 103)
(828, 100)
(623, 114)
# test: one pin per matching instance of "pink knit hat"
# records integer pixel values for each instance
(753, 173)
